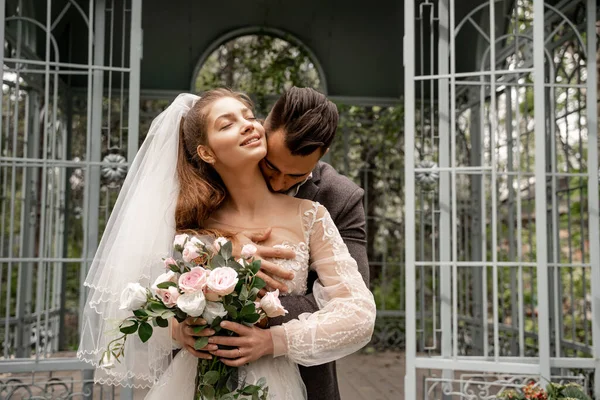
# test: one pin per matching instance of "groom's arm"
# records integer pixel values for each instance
(351, 224)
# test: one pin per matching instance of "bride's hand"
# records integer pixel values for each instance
(185, 335)
(251, 344)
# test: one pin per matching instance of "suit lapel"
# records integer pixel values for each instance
(308, 191)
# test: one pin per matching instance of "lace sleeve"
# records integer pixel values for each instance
(346, 318)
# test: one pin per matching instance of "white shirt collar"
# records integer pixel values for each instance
(294, 190)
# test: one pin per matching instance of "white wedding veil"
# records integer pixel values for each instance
(138, 235)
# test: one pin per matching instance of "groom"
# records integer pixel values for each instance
(300, 129)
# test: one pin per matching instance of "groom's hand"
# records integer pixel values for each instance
(268, 269)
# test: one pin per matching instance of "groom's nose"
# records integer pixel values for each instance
(278, 183)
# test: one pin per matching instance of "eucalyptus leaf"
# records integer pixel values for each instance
(211, 377)
(218, 261)
(251, 389)
(200, 343)
(226, 250)
(234, 264)
(208, 392)
(199, 328)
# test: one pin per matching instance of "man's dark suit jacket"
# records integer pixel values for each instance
(343, 200)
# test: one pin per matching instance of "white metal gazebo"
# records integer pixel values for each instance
(482, 203)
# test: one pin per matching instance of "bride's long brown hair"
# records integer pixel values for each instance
(201, 189)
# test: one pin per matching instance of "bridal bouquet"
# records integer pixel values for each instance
(202, 280)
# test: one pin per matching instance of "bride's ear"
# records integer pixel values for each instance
(205, 154)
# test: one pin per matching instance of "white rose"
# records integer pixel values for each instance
(180, 240)
(168, 276)
(248, 251)
(192, 304)
(212, 311)
(133, 297)
(271, 305)
(219, 242)
(222, 281)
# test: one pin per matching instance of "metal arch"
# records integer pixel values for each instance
(473, 12)
(510, 35)
(258, 30)
(43, 28)
(79, 9)
(550, 7)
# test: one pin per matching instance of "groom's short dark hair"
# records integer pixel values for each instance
(309, 120)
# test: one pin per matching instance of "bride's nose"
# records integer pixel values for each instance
(248, 127)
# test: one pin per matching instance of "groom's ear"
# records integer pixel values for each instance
(205, 154)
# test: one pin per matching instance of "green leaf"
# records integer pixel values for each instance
(208, 392)
(156, 306)
(251, 318)
(216, 322)
(255, 266)
(166, 285)
(255, 396)
(226, 250)
(218, 261)
(167, 314)
(200, 343)
(199, 328)
(244, 293)
(128, 327)
(211, 377)
(259, 283)
(140, 313)
(163, 323)
(174, 268)
(261, 382)
(248, 309)
(231, 263)
(253, 293)
(145, 331)
(232, 311)
(250, 389)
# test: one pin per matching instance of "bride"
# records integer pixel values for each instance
(198, 169)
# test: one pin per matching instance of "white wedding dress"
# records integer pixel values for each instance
(343, 324)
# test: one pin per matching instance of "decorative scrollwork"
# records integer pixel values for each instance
(52, 388)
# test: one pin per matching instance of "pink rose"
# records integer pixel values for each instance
(194, 280)
(180, 240)
(190, 252)
(169, 296)
(222, 281)
(248, 251)
(170, 261)
(218, 243)
(271, 305)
